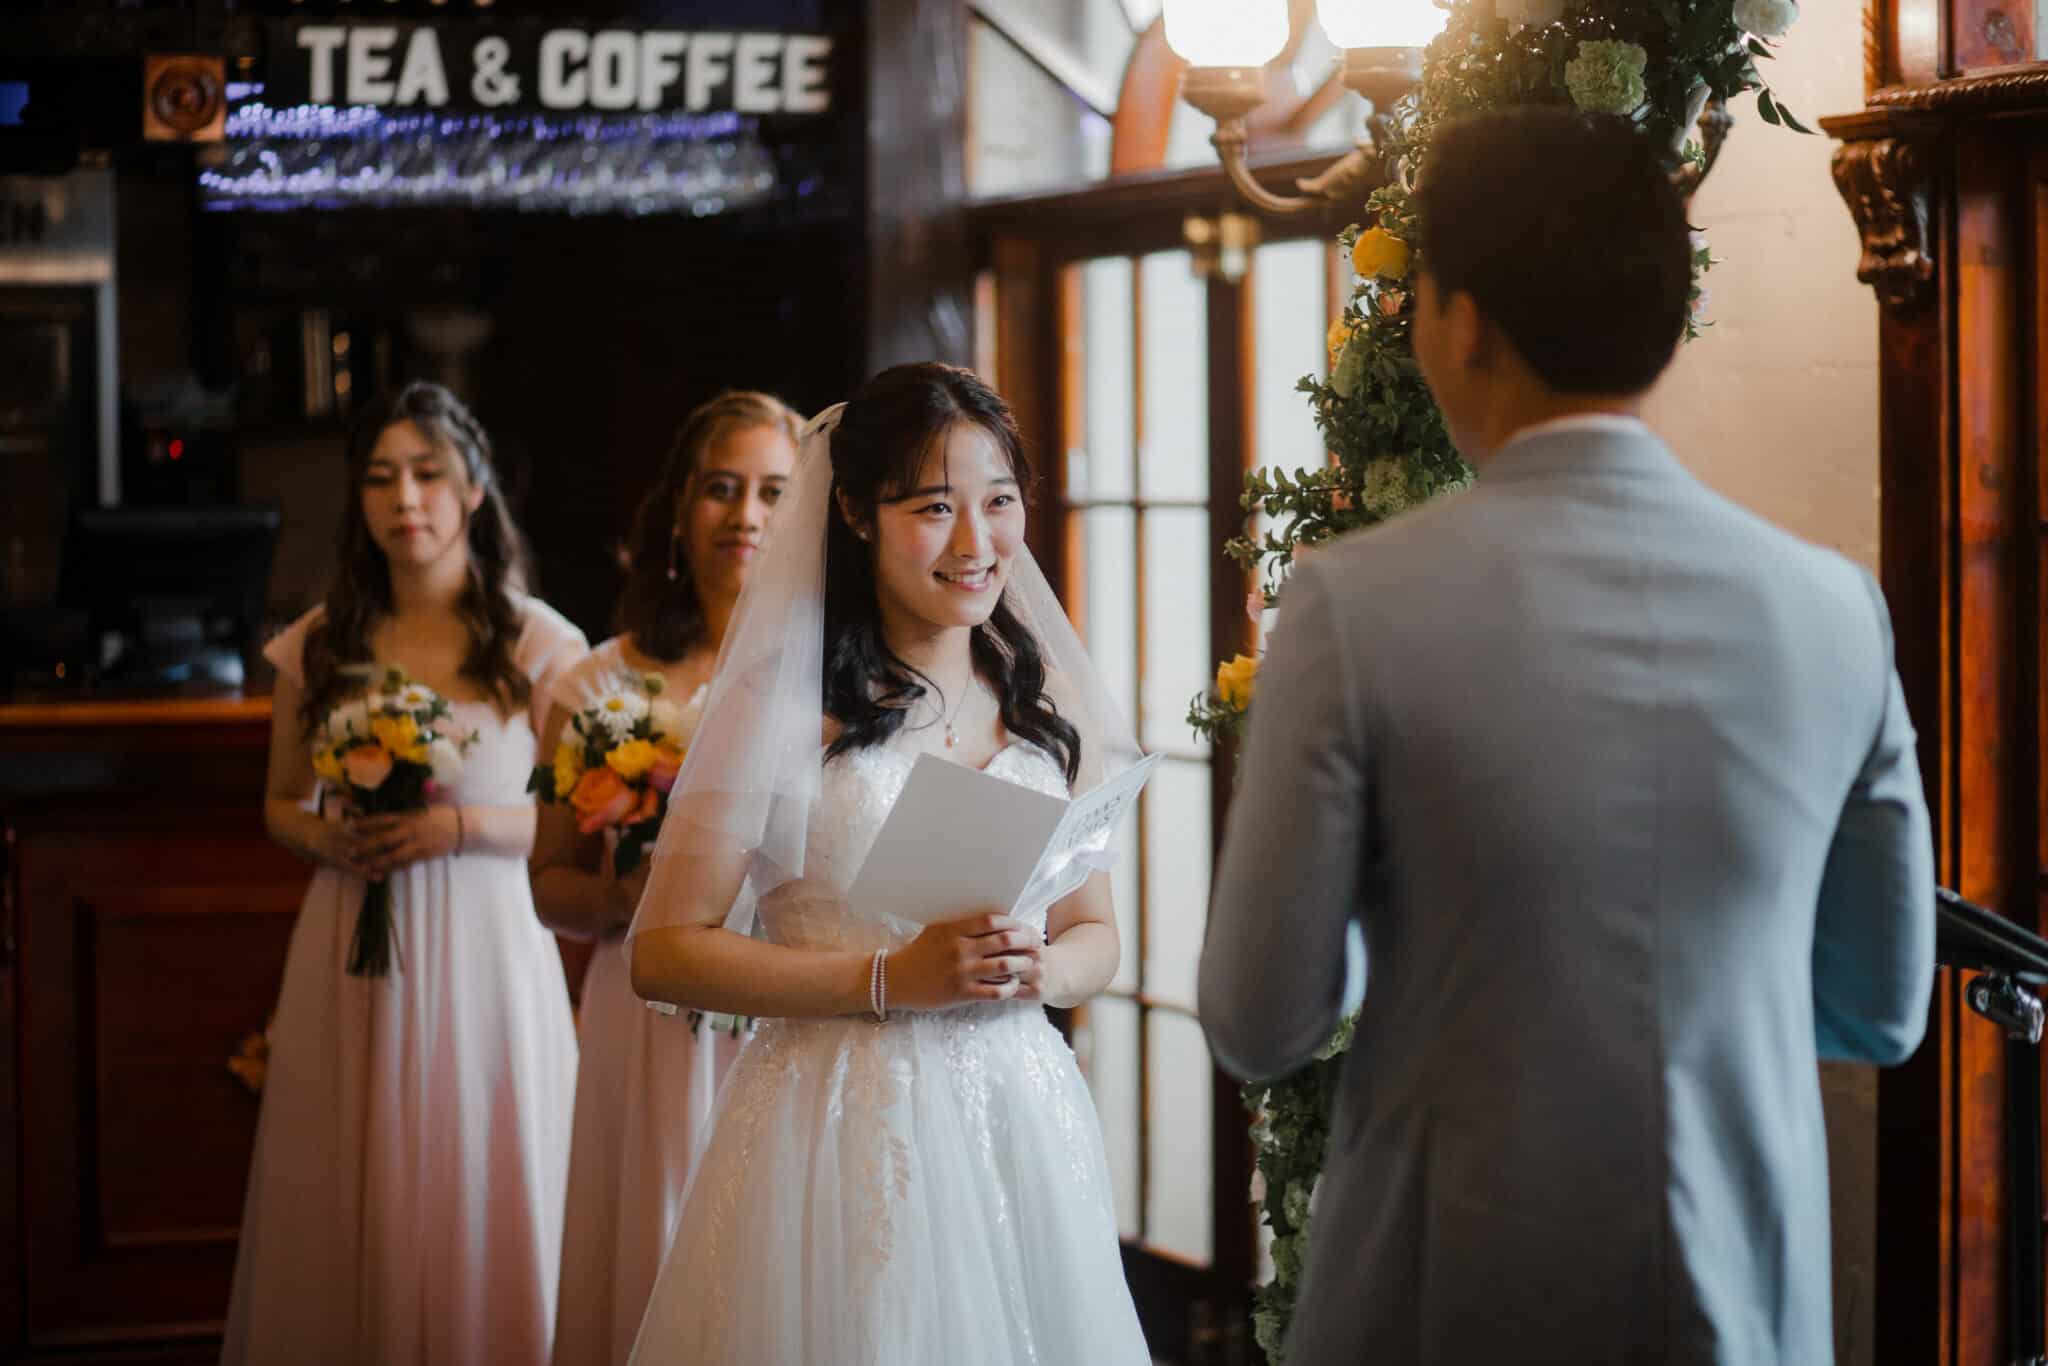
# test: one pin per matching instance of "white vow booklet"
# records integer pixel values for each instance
(958, 840)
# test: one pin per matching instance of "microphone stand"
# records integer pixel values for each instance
(2010, 964)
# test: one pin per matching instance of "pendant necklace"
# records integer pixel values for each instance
(953, 736)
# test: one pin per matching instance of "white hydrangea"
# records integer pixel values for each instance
(1766, 18)
(1295, 1204)
(1606, 77)
(1388, 489)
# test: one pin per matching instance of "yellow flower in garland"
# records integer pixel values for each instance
(400, 735)
(632, 759)
(327, 764)
(568, 768)
(1235, 681)
(1339, 333)
(1380, 254)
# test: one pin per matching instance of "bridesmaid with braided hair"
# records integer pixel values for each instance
(405, 1197)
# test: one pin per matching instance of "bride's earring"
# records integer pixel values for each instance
(675, 541)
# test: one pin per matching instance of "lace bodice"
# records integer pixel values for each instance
(855, 796)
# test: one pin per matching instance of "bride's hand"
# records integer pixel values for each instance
(982, 958)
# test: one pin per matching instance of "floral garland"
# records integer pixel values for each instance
(1655, 62)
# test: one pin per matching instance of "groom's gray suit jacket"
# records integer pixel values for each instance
(1618, 781)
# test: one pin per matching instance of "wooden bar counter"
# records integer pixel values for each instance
(144, 917)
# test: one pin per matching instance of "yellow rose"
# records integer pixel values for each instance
(1235, 681)
(1378, 252)
(568, 768)
(400, 735)
(327, 764)
(632, 759)
(1334, 339)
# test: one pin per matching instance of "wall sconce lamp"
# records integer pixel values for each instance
(1227, 44)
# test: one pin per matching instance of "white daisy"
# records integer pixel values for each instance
(617, 712)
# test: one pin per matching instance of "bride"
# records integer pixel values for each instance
(906, 1166)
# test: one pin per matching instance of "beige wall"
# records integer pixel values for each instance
(1776, 406)
(1776, 403)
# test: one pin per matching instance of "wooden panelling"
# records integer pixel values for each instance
(148, 959)
(173, 979)
(144, 917)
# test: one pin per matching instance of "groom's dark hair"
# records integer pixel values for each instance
(1568, 234)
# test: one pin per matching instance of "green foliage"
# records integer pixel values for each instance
(1291, 1131)
(1215, 719)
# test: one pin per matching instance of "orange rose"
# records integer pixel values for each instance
(645, 807)
(1380, 254)
(367, 766)
(601, 798)
(668, 761)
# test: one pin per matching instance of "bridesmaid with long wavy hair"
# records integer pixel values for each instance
(645, 1093)
(405, 1198)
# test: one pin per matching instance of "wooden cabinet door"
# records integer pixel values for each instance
(145, 960)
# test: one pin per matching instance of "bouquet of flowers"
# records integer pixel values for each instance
(387, 752)
(615, 769)
(618, 763)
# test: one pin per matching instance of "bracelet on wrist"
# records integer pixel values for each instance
(878, 985)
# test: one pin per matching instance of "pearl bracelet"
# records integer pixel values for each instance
(878, 985)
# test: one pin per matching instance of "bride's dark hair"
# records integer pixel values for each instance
(881, 442)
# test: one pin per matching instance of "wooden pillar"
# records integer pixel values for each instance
(1232, 440)
(920, 261)
(1947, 246)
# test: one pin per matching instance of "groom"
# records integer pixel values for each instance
(1618, 783)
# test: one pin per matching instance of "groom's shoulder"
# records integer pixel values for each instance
(1771, 549)
(1479, 535)
(1438, 528)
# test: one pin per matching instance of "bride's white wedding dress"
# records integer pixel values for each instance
(930, 1191)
